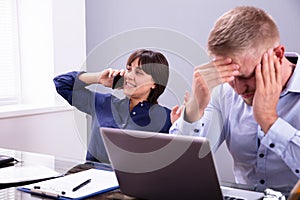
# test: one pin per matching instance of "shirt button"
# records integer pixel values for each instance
(272, 145)
(261, 155)
(262, 181)
(142, 105)
(196, 130)
(133, 113)
(297, 171)
(202, 124)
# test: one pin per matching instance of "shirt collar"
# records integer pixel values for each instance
(141, 104)
(293, 84)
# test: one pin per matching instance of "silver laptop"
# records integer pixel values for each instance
(162, 166)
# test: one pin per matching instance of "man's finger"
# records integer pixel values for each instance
(271, 67)
(265, 70)
(277, 70)
(258, 77)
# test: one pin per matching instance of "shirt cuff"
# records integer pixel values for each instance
(279, 135)
(182, 127)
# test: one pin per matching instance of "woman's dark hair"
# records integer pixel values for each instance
(156, 65)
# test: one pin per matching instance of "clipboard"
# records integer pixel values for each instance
(101, 181)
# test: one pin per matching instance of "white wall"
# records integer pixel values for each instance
(53, 133)
(193, 18)
(58, 129)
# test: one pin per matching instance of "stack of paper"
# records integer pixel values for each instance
(18, 174)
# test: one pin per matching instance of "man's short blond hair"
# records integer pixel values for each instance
(242, 28)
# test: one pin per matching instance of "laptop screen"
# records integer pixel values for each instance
(162, 166)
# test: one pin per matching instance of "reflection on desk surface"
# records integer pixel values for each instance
(29, 161)
(18, 174)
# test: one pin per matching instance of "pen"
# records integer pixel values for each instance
(81, 185)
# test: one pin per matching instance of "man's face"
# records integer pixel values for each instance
(244, 84)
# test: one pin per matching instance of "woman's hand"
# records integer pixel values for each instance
(106, 77)
(177, 110)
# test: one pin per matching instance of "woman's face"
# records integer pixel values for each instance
(137, 83)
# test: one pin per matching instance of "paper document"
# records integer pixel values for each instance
(78, 185)
(17, 174)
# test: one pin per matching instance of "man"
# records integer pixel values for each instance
(257, 99)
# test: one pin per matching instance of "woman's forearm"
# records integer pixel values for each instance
(90, 78)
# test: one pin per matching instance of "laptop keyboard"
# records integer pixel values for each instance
(240, 194)
(232, 198)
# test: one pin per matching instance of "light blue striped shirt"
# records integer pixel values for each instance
(264, 161)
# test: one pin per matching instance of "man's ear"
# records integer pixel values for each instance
(279, 52)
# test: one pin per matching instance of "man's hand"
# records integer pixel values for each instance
(268, 88)
(205, 78)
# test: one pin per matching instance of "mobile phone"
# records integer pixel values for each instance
(118, 82)
(6, 161)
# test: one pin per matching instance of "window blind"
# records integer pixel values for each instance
(9, 52)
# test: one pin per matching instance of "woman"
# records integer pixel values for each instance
(144, 80)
